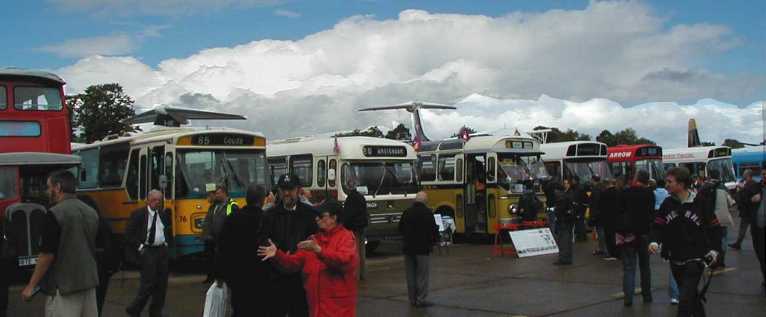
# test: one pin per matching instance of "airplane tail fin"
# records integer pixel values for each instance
(693, 138)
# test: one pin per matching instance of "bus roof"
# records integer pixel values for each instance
(691, 154)
(30, 73)
(560, 150)
(351, 147)
(749, 155)
(38, 158)
(624, 152)
(484, 143)
(159, 134)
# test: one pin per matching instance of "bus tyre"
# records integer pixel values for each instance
(371, 246)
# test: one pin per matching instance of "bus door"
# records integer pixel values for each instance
(152, 170)
(475, 194)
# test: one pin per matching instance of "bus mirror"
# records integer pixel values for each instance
(331, 174)
(163, 182)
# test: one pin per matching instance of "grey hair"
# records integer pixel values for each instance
(421, 197)
(747, 173)
(155, 192)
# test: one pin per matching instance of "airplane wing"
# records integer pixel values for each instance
(410, 106)
(175, 116)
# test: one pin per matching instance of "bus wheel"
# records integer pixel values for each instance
(371, 246)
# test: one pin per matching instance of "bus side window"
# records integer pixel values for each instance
(169, 175)
(111, 165)
(459, 170)
(491, 169)
(554, 170)
(156, 166)
(131, 184)
(446, 167)
(321, 172)
(277, 167)
(426, 168)
(89, 168)
(142, 181)
(301, 166)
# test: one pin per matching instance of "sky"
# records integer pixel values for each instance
(304, 67)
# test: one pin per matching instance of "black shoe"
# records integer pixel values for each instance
(627, 303)
(424, 304)
(648, 299)
(132, 313)
(562, 263)
(735, 246)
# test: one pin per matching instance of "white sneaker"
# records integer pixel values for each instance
(673, 301)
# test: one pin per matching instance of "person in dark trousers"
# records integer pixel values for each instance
(611, 208)
(687, 233)
(148, 235)
(356, 219)
(549, 189)
(759, 226)
(238, 265)
(419, 232)
(108, 260)
(66, 267)
(7, 268)
(222, 207)
(580, 200)
(633, 237)
(286, 224)
(566, 217)
(595, 214)
(746, 206)
(720, 204)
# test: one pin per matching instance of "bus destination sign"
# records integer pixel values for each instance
(222, 139)
(388, 151)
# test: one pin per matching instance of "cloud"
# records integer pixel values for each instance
(593, 61)
(287, 13)
(154, 7)
(118, 44)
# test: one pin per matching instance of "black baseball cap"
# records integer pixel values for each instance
(331, 207)
(287, 181)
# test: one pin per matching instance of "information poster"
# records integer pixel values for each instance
(534, 242)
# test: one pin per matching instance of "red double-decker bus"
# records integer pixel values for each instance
(33, 117)
(625, 160)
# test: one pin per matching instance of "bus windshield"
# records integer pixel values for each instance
(653, 167)
(236, 169)
(380, 178)
(518, 169)
(585, 170)
(724, 167)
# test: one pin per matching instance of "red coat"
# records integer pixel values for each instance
(329, 277)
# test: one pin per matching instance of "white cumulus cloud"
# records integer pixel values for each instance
(495, 68)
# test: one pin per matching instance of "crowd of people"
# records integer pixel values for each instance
(685, 219)
(279, 255)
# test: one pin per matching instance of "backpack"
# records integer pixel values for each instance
(706, 197)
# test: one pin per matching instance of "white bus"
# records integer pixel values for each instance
(701, 160)
(583, 159)
(383, 171)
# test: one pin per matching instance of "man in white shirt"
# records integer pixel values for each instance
(148, 233)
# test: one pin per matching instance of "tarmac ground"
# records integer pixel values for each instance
(466, 280)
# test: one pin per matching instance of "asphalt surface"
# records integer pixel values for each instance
(468, 281)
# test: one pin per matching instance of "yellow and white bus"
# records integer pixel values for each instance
(478, 181)
(383, 171)
(583, 159)
(116, 175)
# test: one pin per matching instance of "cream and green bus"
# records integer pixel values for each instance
(382, 170)
(116, 174)
(478, 181)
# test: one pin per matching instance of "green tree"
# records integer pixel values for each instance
(732, 143)
(399, 133)
(556, 135)
(102, 110)
(370, 132)
(626, 137)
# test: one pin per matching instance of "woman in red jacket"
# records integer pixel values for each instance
(329, 262)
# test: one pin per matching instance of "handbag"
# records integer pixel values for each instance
(216, 301)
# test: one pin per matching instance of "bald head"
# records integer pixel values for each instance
(421, 197)
(154, 199)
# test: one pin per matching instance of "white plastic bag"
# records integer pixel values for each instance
(216, 301)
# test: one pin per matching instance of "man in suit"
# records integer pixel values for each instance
(148, 235)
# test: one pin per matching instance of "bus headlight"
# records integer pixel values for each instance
(512, 209)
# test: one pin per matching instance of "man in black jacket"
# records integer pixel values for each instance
(356, 219)
(638, 203)
(419, 231)
(565, 220)
(287, 223)
(580, 200)
(238, 265)
(745, 205)
(687, 233)
(148, 235)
